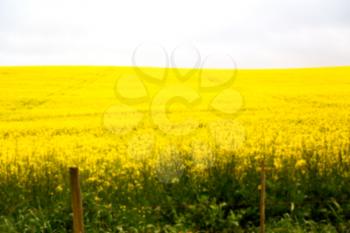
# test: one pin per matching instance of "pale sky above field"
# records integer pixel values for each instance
(256, 33)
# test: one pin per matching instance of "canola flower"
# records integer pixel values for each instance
(52, 118)
(56, 114)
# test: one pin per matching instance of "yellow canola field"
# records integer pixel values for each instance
(92, 116)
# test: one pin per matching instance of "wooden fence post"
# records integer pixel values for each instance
(262, 196)
(78, 223)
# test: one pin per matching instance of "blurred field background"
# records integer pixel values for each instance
(135, 178)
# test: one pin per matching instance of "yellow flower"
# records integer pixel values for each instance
(300, 163)
(278, 163)
(59, 188)
(92, 179)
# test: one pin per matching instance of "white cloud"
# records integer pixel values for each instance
(256, 33)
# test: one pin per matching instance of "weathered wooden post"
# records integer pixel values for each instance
(262, 196)
(78, 222)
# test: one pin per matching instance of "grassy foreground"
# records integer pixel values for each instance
(149, 165)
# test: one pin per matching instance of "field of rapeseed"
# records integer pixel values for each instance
(175, 155)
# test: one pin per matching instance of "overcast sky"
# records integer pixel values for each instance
(256, 33)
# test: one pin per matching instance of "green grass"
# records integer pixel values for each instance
(221, 199)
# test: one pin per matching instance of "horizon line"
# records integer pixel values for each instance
(160, 67)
